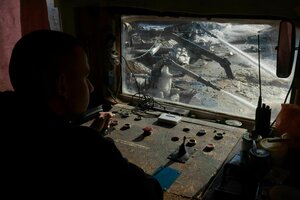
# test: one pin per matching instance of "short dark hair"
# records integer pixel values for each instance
(36, 61)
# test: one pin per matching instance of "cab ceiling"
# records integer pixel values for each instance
(257, 8)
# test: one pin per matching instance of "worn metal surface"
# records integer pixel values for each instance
(151, 152)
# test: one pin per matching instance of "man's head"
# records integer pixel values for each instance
(50, 68)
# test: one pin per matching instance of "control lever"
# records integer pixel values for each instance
(182, 150)
(182, 153)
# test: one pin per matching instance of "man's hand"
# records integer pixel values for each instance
(102, 122)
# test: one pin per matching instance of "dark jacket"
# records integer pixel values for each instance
(44, 157)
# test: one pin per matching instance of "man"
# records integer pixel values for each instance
(48, 156)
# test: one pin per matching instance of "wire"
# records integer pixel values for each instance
(112, 95)
(145, 101)
(152, 47)
(127, 65)
(286, 97)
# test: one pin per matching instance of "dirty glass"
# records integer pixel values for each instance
(210, 64)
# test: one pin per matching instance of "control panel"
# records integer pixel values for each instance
(193, 148)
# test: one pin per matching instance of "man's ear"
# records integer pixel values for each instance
(61, 86)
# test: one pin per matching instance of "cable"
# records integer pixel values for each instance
(152, 47)
(137, 85)
(144, 101)
(112, 95)
(286, 97)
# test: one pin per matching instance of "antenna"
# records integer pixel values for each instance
(259, 76)
(263, 112)
(259, 106)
